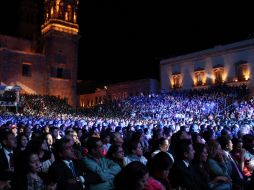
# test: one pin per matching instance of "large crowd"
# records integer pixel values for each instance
(184, 140)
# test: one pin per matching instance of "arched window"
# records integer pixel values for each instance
(199, 77)
(218, 73)
(176, 82)
(242, 71)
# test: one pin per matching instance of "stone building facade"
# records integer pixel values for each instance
(231, 64)
(44, 64)
(118, 91)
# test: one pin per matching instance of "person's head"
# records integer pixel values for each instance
(8, 140)
(45, 129)
(95, 147)
(137, 135)
(33, 163)
(74, 135)
(163, 144)
(49, 139)
(226, 132)
(115, 153)
(63, 149)
(196, 138)
(237, 144)
(105, 137)
(208, 135)
(22, 140)
(184, 135)
(135, 148)
(132, 177)
(225, 143)
(201, 153)
(214, 150)
(37, 145)
(79, 132)
(54, 132)
(160, 165)
(248, 142)
(14, 129)
(28, 162)
(116, 138)
(28, 130)
(184, 150)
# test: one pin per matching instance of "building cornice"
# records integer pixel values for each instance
(217, 50)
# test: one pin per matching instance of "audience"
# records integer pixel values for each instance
(196, 139)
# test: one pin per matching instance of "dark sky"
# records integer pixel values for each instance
(125, 39)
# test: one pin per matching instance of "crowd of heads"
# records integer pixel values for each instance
(187, 139)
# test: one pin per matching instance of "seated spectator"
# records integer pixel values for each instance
(40, 146)
(163, 147)
(66, 171)
(198, 164)
(132, 177)
(237, 149)
(105, 138)
(159, 167)
(116, 153)
(78, 149)
(49, 140)
(217, 168)
(233, 168)
(22, 141)
(27, 173)
(116, 138)
(95, 161)
(9, 143)
(182, 174)
(136, 153)
(247, 159)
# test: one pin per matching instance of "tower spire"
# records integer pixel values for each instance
(60, 15)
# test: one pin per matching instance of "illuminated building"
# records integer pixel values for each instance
(44, 62)
(119, 91)
(230, 64)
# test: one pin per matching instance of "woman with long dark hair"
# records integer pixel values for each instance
(26, 176)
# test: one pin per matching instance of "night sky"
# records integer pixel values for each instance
(131, 37)
(126, 39)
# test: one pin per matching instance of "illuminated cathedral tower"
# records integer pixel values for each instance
(60, 36)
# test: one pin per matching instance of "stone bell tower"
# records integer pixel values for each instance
(60, 35)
